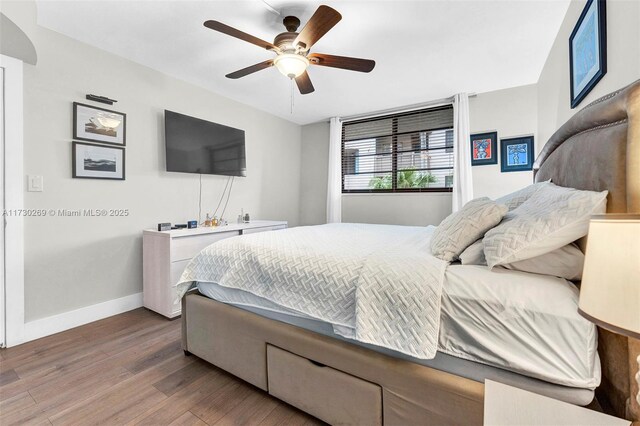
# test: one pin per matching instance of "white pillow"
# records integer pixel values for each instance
(515, 199)
(473, 255)
(551, 218)
(460, 229)
(566, 262)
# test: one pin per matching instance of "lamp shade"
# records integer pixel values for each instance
(610, 291)
(291, 64)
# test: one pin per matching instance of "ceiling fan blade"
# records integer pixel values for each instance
(304, 83)
(225, 29)
(251, 69)
(344, 62)
(320, 23)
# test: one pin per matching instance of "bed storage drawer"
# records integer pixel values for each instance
(330, 395)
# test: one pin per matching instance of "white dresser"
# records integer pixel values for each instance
(167, 253)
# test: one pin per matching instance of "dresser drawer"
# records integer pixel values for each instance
(330, 395)
(262, 229)
(183, 248)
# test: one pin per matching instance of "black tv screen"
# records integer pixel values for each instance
(200, 146)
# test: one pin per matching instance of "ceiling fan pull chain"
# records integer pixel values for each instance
(292, 94)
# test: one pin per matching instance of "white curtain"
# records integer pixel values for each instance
(462, 180)
(334, 184)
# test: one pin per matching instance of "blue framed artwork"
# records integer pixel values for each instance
(588, 50)
(484, 149)
(516, 154)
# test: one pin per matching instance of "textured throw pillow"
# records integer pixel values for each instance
(515, 199)
(565, 262)
(462, 228)
(551, 218)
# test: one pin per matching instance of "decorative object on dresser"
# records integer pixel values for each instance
(167, 253)
(97, 161)
(93, 124)
(588, 50)
(610, 291)
(516, 154)
(484, 148)
(507, 405)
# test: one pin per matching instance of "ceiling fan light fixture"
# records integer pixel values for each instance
(292, 48)
(291, 65)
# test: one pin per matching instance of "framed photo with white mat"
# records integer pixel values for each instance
(588, 50)
(97, 161)
(100, 125)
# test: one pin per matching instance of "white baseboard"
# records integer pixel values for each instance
(55, 324)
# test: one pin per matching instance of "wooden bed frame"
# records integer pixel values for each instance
(338, 382)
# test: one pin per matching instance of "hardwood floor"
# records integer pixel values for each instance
(128, 370)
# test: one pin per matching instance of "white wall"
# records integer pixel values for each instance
(314, 171)
(73, 262)
(510, 112)
(623, 63)
(535, 109)
(400, 209)
(416, 209)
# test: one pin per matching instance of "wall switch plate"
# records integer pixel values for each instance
(35, 183)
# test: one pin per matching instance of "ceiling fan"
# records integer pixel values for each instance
(292, 48)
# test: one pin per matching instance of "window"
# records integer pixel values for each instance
(407, 152)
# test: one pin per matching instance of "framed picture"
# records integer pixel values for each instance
(484, 149)
(516, 154)
(588, 50)
(95, 124)
(97, 161)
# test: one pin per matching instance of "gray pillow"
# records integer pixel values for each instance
(460, 229)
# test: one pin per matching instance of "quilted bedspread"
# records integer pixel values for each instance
(380, 282)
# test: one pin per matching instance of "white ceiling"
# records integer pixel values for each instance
(424, 50)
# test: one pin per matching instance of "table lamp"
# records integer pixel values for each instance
(610, 290)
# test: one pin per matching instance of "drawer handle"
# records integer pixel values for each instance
(316, 363)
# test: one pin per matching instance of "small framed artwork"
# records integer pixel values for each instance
(516, 154)
(484, 149)
(97, 161)
(588, 50)
(95, 124)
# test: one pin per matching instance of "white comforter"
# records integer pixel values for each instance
(381, 282)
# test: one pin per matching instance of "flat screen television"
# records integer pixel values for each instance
(199, 146)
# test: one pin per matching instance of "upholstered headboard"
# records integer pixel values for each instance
(598, 149)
